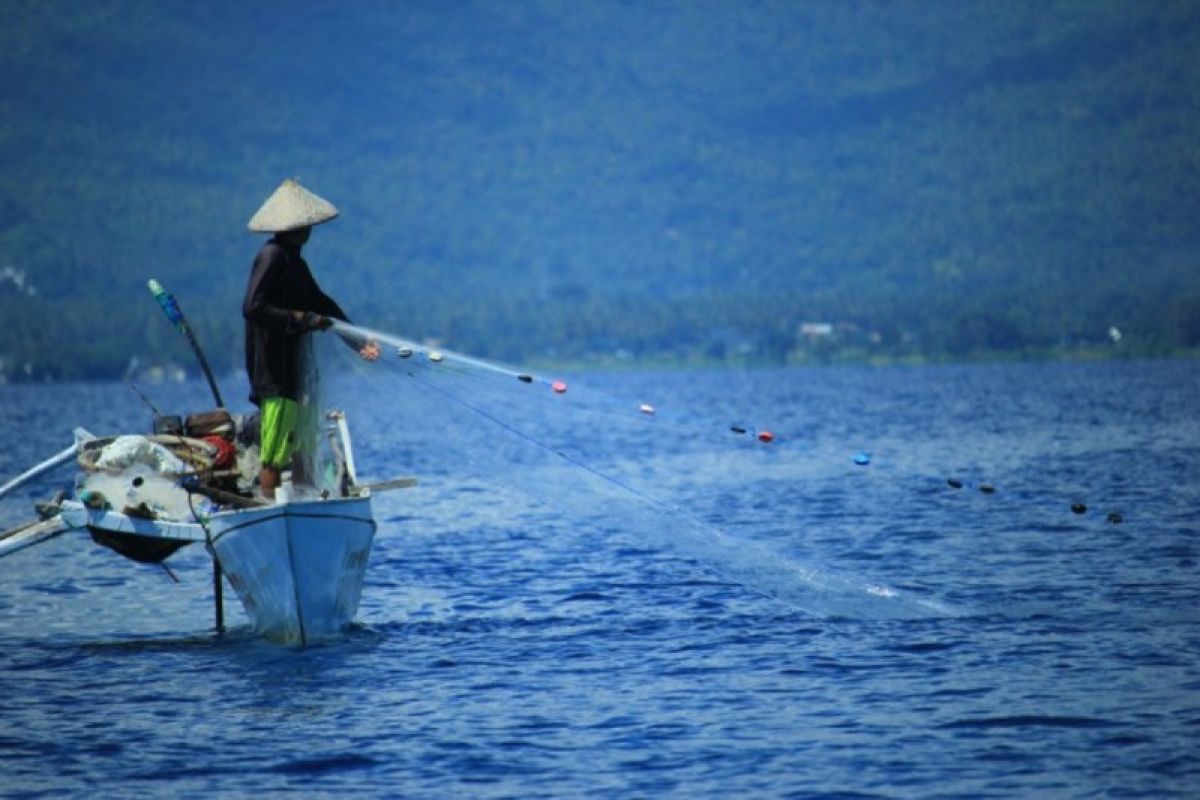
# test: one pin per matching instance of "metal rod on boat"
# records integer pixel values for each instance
(339, 419)
(171, 308)
(218, 595)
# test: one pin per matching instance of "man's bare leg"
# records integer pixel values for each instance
(268, 480)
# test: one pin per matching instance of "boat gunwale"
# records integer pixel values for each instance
(257, 516)
(112, 520)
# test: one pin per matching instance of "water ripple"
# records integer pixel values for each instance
(504, 651)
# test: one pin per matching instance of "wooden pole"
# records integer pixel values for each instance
(170, 307)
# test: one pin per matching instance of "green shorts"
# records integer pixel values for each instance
(277, 435)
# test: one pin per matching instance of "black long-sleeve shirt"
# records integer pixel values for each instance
(280, 283)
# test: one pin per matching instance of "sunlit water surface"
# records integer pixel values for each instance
(506, 648)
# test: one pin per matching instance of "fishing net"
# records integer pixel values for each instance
(318, 463)
(628, 469)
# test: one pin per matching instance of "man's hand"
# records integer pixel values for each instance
(312, 321)
(370, 351)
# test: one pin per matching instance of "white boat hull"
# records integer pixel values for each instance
(297, 567)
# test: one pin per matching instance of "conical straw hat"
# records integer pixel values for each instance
(290, 207)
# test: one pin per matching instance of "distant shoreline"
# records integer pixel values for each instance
(609, 363)
(172, 372)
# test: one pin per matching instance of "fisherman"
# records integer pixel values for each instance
(283, 303)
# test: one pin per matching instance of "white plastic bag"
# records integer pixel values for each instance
(125, 451)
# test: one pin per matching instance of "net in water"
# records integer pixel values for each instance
(627, 467)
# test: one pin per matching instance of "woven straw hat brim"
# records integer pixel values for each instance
(291, 206)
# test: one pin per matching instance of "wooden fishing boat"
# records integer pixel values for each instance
(297, 566)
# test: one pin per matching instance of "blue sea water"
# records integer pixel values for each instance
(788, 623)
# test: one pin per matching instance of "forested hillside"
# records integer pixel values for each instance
(595, 180)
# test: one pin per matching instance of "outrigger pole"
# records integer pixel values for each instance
(50, 463)
(171, 308)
